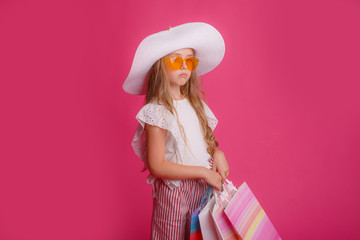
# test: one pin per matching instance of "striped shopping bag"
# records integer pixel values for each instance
(248, 217)
(224, 228)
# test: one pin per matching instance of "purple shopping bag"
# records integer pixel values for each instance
(195, 230)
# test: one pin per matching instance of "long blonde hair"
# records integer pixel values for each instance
(159, 89)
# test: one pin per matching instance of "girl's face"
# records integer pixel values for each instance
(181, 76)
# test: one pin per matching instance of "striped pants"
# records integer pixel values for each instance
(172, 209)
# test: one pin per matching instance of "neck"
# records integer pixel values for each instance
(175, 92)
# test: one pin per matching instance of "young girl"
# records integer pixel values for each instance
(175, 136)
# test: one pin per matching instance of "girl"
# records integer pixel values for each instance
(175, 136)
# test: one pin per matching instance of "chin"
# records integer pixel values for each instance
(183, 81)
(182, 84)
(179, 82)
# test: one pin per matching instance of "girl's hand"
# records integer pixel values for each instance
(220, 164)
(213, 178)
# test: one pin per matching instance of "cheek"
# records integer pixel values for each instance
(169, 71)
(172, 74)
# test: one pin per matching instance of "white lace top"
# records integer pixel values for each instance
(175, 148)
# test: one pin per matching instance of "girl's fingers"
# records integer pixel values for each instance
(220, 182)
(220, 185)
(223, 176)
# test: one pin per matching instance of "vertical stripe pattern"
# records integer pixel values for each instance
(172, 208)
(248, 217)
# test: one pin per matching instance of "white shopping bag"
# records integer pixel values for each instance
(207, 224)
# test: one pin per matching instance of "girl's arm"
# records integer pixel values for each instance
(158, 167)
(221, 165)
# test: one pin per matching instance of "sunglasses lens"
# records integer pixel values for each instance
(178, 62)
(189, 64)
(192, 63)
(175, 63)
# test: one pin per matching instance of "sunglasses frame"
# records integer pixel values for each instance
(170, 62)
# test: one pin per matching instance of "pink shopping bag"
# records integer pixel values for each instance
(223, 226)
(248, 217)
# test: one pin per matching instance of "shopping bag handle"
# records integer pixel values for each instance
(229, 186)
(226, 194)
(221, 197)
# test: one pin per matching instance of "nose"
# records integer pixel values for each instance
(184, 66)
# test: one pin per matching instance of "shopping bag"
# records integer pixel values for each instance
(225, 230)
(247, 216)
(195, 231)
(207, 225)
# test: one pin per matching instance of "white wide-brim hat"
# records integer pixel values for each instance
(202, 37)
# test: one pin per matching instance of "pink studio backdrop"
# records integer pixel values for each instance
(286, 96)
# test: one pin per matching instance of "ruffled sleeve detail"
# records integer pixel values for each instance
(212, 120)
(156, 115)
(150, 114)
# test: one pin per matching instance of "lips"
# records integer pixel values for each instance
(183, 75)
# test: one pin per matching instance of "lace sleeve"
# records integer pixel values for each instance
(151, 114)
(156, 115)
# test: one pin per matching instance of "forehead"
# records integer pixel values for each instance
(183, 52)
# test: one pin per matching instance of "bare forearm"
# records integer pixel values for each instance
(218, 152)
(156, 142)
(174, 171)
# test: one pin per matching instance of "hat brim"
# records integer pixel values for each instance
(202, 37)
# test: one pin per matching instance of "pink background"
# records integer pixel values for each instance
(286, 96)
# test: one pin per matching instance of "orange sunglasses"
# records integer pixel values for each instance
(176, 62)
